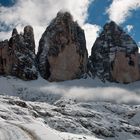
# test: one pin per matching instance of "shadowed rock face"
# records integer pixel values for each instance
(62, 53)
(5, 58)
(18, 55)
(114, 56)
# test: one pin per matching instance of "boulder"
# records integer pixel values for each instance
(62, 53)
(114, 56)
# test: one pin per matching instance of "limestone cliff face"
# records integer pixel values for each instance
(62, 53)
(114, 55)
(125, 69)
(18, 55)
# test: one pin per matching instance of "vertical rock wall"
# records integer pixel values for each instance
(114, 55)
(17, 56)
(62, 53)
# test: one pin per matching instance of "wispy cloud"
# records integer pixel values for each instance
(120, 10)
(139, 43)
(129, 28)
(84, 90)
(39, 13)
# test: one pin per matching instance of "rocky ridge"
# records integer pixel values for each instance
(62, 53)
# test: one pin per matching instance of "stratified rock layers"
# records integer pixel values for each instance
(62, 53)
(114, 56)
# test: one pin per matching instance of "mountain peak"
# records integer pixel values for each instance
(64, 14)
(113, 27)
(14, 32)
(62, 53)
(115, 55)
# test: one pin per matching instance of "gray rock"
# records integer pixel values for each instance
(62, 53)
(18, 55)
(108, 47)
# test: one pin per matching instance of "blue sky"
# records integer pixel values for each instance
(7, 2)
(96, 14)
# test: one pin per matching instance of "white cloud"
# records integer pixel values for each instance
(129, 28)
(112, 94)
(139, 43)
(91, 33)
(119, 10)
(5, 35)
(83, 90)
(39, 13)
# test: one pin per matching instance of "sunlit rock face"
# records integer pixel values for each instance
(17, 55)
(62, 53)
(125, 69)
(114, 56)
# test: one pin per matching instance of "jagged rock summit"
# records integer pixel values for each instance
(17, 56)
(114, 56)
(62, 53)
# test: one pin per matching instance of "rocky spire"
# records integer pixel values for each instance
(24, 55)
(15, 32)
(62, 53)
(17, 56)
(114, 55)
(29, 38)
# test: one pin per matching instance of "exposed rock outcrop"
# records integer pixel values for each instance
(125, 68)
(62, 53)
(114, 56)
(5, 58)
(18, 55)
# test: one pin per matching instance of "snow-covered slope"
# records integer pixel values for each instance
(20, 120)
(82, 90)
(79, 109)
